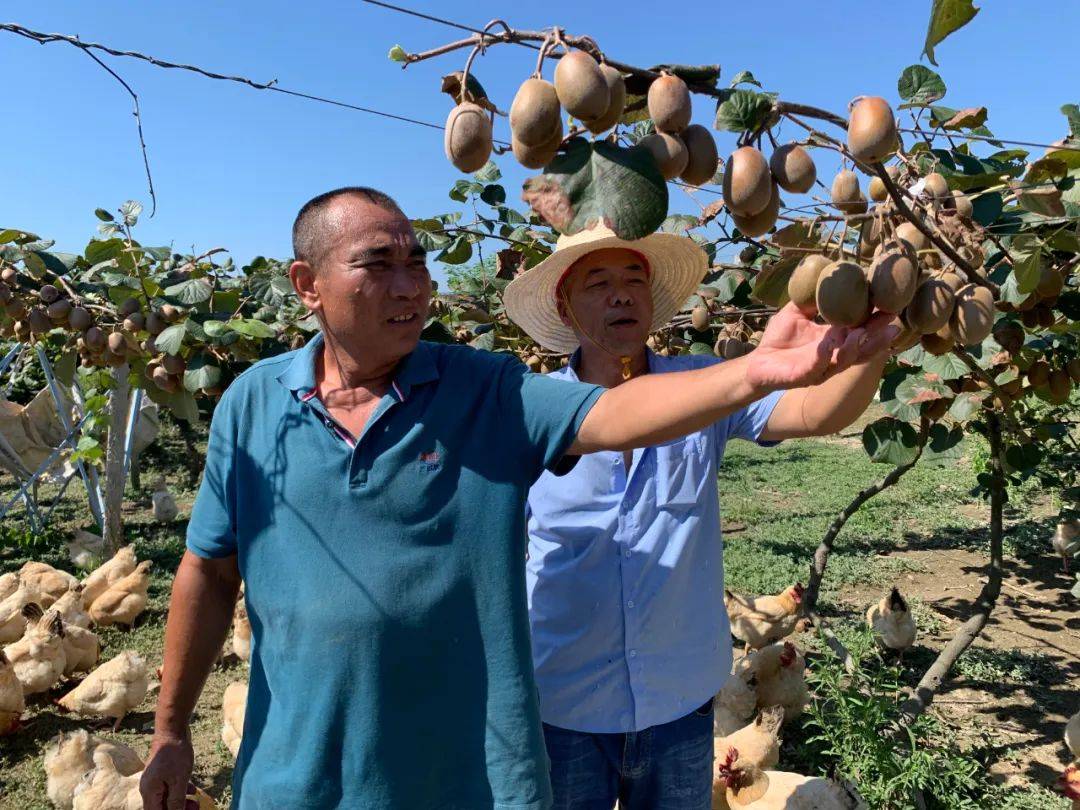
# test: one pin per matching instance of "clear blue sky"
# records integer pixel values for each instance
(231, 165)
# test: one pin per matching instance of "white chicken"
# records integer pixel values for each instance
(47, 582)
(85, 548)
(12, 620)
(1066, 540)
(121, 564)
(71, 757)
(12, 702)
(1072, 735)
(123, 600)
(9, 583)
(82, 649)
(70, 607)
(750, 787)
(165, 510)
(233, 708)
(106, 787)
(38, 657)
(736, 702)
(111, 690)
(780, 678)
(892, 622)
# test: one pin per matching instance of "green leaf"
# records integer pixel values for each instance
(103, 215)
(493, 194)
(485, 342)
(488, 173)
(249, 327)
(64, 368)
(215, 329)
(890, 441)
(1027, 272)
(458, 252)
(967, 118)
(679, 224)
(744, 110)
(130, 212)
(192, 291)
(947, 366)
(432, 241)
(600, 182)
(942, 445)
(396, 54)
(919, 86)
(183, 406)
(463, 188)
(100, 250)
(966, 405)
(201, 373)
(770, 285)
(920, 388)
(946, 16)
(171, 339)
(1072, 113)
(744, 77)
(987, 208)
(1023, 456)
(700, 348)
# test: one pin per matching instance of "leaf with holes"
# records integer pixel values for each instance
(946, 16)
(744, 110)
(919, 86)
(600, 182)
(890, 441)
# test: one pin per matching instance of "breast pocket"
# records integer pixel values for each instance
(682, 472)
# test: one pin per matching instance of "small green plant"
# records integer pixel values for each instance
(22, 539)
(1007, 666)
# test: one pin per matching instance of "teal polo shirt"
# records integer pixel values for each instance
(384, 579)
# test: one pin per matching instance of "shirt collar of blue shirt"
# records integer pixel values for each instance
(417, 368)
(569, 371)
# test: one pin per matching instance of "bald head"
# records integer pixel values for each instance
(320, 219)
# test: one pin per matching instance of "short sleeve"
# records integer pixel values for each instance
(747, 423)
(211, 531)
(543, 413)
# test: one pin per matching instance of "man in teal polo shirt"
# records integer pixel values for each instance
(369, 489)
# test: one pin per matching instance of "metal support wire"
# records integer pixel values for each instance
(44, 466)
(129, 436)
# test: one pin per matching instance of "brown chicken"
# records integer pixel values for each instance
(12, 620)
(233, 707)
(49, 583)
(111, 690)
(757, 743)
(70, 607)
(892, 623)
(105, 786)
(9, 583)
(750, 787)
(736, 702)
(122, 564)
(779, 672)
(12, 702)
(71, 757)
(38, 657)
(124, 600)
(760, 620)
(82, 649)
(241, 627)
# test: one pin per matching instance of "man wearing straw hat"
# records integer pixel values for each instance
(625, 569)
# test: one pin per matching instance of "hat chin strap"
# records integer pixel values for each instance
(622, 358)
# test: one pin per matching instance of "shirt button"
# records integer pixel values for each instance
(630, 603)
(633, 653)
(628, 552)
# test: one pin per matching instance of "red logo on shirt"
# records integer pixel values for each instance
(430, 458)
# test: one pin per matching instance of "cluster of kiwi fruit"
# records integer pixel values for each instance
(680, 149)
(128, 335)
(752, 184)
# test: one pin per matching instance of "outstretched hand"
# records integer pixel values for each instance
(796, 352)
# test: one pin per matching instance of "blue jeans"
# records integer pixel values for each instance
(667, 767)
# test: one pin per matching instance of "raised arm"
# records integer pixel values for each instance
(203, 599)
(794, 353)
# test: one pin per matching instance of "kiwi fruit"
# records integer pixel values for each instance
(1038, 373)
(48, 293)
(163, 380)
(872, 135)
(1073, 369)
(936, 186)
(952, 279)
(894, 276)
(1030, 318)
(760, 223)
(468, 137)
(155, 323)
(702, 157)
(802, 285)
(669, 103)
(170, 313)
(699, 318)
(149, 346)
(913, 236)
(1051, 282)
(748, 254)
(843, 294)
(80, 319)
(931, 259)
(793, 168)
(117, 343)
(9, 275)
(134, 322)
(15, 308)
(973, 255)
(936, 344)
(38, 321)
(5, 293)
(877, 190)
(581, 87)
(931, 306)
(1045, 316)
(616, 101)
(730, 348)
(173, 363)
(1009, 336)
(962, 204)
(748, 186)
(973, 316)
(1028, 303)
(95, 338)
(58, 310)
(1060, 385)
(869, 238)
(668, 151)
(535, 113)
(846, 195)
(129, 307)
(537, 157)
(22, 330)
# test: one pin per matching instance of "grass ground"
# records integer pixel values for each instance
(1009, 698)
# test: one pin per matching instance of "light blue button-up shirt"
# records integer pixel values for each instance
(626, 577)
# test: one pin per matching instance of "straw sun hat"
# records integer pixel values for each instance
(676, 267)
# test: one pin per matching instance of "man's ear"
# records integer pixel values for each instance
(302, 276)
(560, 304)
